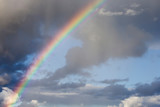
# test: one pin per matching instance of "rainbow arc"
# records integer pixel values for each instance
(58, 38)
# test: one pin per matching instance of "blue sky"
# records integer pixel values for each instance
(131, 67)
(110, 60)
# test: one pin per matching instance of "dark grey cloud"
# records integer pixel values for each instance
(102, 41)
(113, 92)
(67, 97)
(149, 13)
(4, 79)
(54, 92)
(129, 34)
(116, 91)
(117, 36)
(27, 25)
(82, 93)
(114, 81)
(47, 84)
(149, 89)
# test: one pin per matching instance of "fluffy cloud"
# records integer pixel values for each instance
(134, 101)
(5, 97)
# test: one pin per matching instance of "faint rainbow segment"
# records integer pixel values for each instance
(50, 47)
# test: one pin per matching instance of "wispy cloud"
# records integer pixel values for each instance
(127, 12)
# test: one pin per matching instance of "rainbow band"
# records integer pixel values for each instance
(58, 38)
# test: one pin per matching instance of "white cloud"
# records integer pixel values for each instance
(33, 103)
(136, 101)
(126, 12)
(131, 12)
(109, 13)
(6, 99)
(36, 103)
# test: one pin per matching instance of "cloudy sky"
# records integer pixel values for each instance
(111, 60)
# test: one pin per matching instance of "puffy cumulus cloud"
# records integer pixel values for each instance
(135, 101)
(35, 102)
(5, 97)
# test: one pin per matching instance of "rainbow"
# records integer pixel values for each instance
(58, 38)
